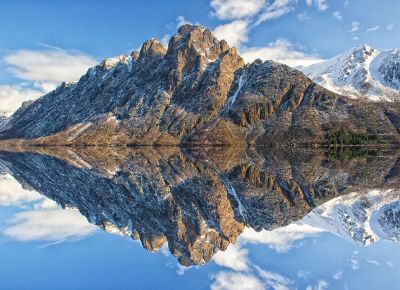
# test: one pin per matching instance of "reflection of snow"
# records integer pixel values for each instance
(360, 217)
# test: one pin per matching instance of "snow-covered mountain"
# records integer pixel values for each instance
(362, 218)
(362, 72)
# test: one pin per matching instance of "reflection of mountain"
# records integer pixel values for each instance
(198, 201)
(363, 218)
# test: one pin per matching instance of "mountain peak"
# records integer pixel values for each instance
(361, 72)
(152, 48)
(198, 39)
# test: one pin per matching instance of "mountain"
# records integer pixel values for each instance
(198, 91)
(362, 72)
(360, 217)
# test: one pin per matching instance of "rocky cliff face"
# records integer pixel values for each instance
(197, 200)
(362, 72)
(197, 91)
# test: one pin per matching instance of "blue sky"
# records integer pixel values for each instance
(45, 42)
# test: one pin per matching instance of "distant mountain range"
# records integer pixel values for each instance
(362, 72)
(199, 91)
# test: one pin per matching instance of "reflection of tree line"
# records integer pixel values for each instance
(348, 138)
(344, 144)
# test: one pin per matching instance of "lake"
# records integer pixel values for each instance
(199, 218)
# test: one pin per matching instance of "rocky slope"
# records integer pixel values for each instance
(208, 195)
(362, 72)
(197, 91)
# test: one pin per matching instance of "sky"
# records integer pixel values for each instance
(43, 245)
(43, 42)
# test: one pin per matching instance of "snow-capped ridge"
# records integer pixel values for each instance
(362, 72)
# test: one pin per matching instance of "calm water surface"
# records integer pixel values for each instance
(215, 218)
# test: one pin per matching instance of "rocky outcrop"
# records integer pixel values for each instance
(198, 91)
(197, 200)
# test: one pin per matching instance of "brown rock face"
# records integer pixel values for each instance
(198, 91)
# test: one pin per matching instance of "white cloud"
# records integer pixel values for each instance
(49, 67)
(356, 38)
(355, 26)
(236, 281)
(182, 21)
(234, 9)
(283, 51)
(40, 71)
(321, 5)
(165, 40)
(303, 16)
(12, 193)
(275, 280)
(12, 96)
(235, 33)
(375, 28)
(276, 9)
(337, 15)
(390, 27)
(282, 239)
(233, 257)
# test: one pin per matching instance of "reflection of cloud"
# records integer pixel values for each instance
(355, 264)
(182, 269)
(275, 280)
(233, 257)
(319, 285)
(258, 279)
(236, 281)
(373, 262)
(303, 274)
(12, 193)
(281, 239)
(338, 275)
(48, 224)
(46, 221)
